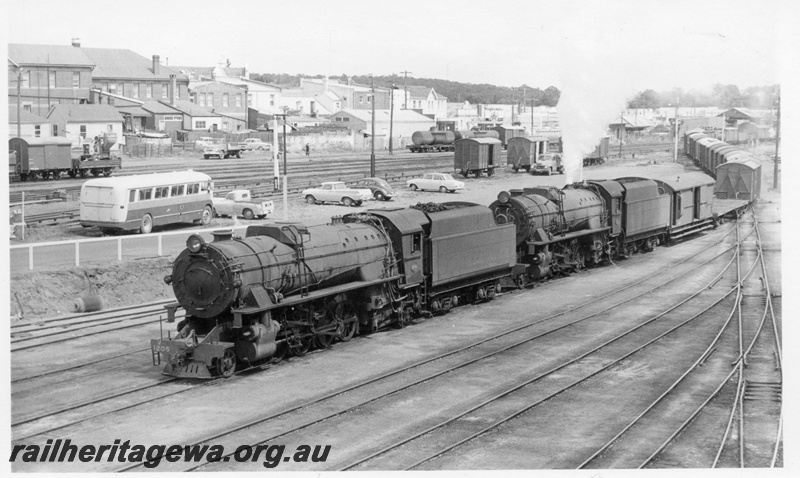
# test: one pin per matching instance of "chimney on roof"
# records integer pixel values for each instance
(76, 42)
(173, 84)
(349, 80)
(325, 83)
(156, 64)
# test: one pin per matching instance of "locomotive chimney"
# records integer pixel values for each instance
(156, 64)
(222, 235)
(336, 220)
(76, 42)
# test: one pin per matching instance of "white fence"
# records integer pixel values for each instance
(49, 255)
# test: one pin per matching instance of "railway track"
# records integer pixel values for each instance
(419, 377)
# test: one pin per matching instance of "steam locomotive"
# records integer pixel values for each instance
(284, 288)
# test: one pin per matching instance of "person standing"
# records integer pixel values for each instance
(308, 150)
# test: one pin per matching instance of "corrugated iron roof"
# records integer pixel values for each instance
(25, 54)
(26, 117)
(192, 109)
(158, 107)
(126, 64)
(134, 111)
(84, 113)
(383, 115)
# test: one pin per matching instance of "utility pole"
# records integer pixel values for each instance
(372, 142)
(391, 118)
(677, 127)
(285, 176)
(775, 178)
(19, 102)
(405, 91)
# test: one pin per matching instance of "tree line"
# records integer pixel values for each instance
(722, 96)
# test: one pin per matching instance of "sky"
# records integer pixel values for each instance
(645, 43)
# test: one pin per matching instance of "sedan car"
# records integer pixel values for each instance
(442, 182)
(338, 192)
(255, 144)
(381, 190)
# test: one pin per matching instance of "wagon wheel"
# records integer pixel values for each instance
(490, 172)
(96, 172)
(56, 174)
(325, 329)
(106, 172)
(23, 176)
(72, 173)
(515, 168)
(298, 344)
(45, 174)
(239, 154)
(348, 321)
(83, 173)
(226, 365)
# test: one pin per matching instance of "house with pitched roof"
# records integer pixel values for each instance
(47, 75)
(425, 100)
(81, 123)
(404, 122)
(29, 125)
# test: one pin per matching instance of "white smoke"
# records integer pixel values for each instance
(595, 87)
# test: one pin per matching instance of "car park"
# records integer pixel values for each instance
(338, 192)
(381, 190)
(442, 182)
(240, 202)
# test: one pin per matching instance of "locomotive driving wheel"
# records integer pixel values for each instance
(348, 321)
(325, 328)
(299, 343)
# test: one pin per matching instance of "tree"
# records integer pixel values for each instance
(647, 99)
(551, 96)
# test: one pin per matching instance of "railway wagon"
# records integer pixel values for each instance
(432, 141)
(46, 158)
(284, 288)
(477, 156)
(739, 178)
(522, 151)
(599, 155)
(508, 132)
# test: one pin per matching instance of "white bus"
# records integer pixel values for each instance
(143, 201)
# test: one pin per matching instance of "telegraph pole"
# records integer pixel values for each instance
(19, 102)
(391, 118)
(775, 178)
(405, 91)
(372, 142)
(285, 177)
(676, 131)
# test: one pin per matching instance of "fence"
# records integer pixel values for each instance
(47, 255)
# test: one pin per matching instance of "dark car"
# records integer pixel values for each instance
(380, 188)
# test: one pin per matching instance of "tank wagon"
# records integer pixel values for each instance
(444, 141)
(50, 158)
(284, 288)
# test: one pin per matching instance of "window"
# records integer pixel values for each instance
(55, 130)
(162, 192)
(416, 242)
(249, 99)
(225, 100)
(202, 98)
(193, 98)
(76, 80)
(37, 130)
(193, 188)
(136, 90)
(199, 125)
(149, 90)
(145, 194)
(177, 191)
(369, 99)
(27, 107)
(83, 131)
(132, 195)
(238, 99)
(361, 98)
(165, 90)
(51, 76)
(110, 128)
(272, 100)
(121, 89)
(326, 187)
(112, 88)
(26, 79)
(210, 102)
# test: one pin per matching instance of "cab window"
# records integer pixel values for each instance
(416, 242)
(132, 195)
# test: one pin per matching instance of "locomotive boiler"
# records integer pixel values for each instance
(556, 229)
(241, 294)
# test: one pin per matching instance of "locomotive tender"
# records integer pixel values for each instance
(283, 288)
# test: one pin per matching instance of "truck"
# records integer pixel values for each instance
(239, 202)
(548, 164)
(222, 149)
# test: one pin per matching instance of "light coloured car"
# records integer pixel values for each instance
(255, 144)
(240, 203)
(338, 192)
(442, 182)
(203, 142)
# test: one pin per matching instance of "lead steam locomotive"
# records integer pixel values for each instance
(285, 288)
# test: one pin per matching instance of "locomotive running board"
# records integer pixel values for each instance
(317, 294)
(543, 242)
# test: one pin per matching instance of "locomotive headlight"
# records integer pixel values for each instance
(195, 243)
(503, 196)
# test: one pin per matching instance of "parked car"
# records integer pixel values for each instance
(548, 164)
(336, 191)
(381, 190)
(253, 144)
(442, 182)
(240, 203)
(203, 142)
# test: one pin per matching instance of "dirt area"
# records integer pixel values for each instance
(51, 293)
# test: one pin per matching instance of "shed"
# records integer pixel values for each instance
(522, 151)
(477, 155)
(739, 178)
